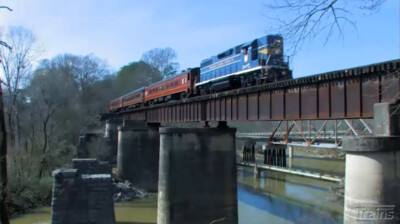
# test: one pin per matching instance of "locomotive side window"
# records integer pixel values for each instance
(238, 49)
(176, 83)
(225, 53)
(254, 51)
(206, 63)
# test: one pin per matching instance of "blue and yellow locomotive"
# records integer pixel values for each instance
(255, 62)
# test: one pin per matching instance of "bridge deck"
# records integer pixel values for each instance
(348, 93)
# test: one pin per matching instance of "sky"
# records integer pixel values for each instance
(120, 31)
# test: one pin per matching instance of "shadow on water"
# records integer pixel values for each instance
(338, 173)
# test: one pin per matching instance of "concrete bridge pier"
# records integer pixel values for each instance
(138, 154)
(111, 129)
(111, 136)
(372, 182)
(197, 177)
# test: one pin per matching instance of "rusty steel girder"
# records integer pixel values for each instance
(345, 94)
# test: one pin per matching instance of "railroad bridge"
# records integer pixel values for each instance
(194, 169)
(348, 93)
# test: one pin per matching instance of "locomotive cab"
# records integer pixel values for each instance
(276, 67)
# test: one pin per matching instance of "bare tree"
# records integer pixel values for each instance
(306, 19)
(4, 217)
(49, 89)
(162, 59)
(16, 68)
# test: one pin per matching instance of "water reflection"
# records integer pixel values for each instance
(143, 211)
(280, 198)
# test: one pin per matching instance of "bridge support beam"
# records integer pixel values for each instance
(290, 151)
(138, 153)
(290, 159)
(372, 182)
(197, 177)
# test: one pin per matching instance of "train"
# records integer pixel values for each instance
(252, 63)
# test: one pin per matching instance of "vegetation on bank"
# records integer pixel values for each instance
(50, 103)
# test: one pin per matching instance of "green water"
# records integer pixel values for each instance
(143, 211)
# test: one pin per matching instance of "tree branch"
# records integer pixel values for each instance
(307, 19)
(5, 7)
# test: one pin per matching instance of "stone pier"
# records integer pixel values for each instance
(83, 194)
(94, 145)
(372, 182)
(138, 154)
(197, 177)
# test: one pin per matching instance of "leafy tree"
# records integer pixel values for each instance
(163, 59)
(86, 70)
(102, 92)
(136, 75)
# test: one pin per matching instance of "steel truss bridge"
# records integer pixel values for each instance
(317, 133)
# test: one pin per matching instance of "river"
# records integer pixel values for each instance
(273, 198)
